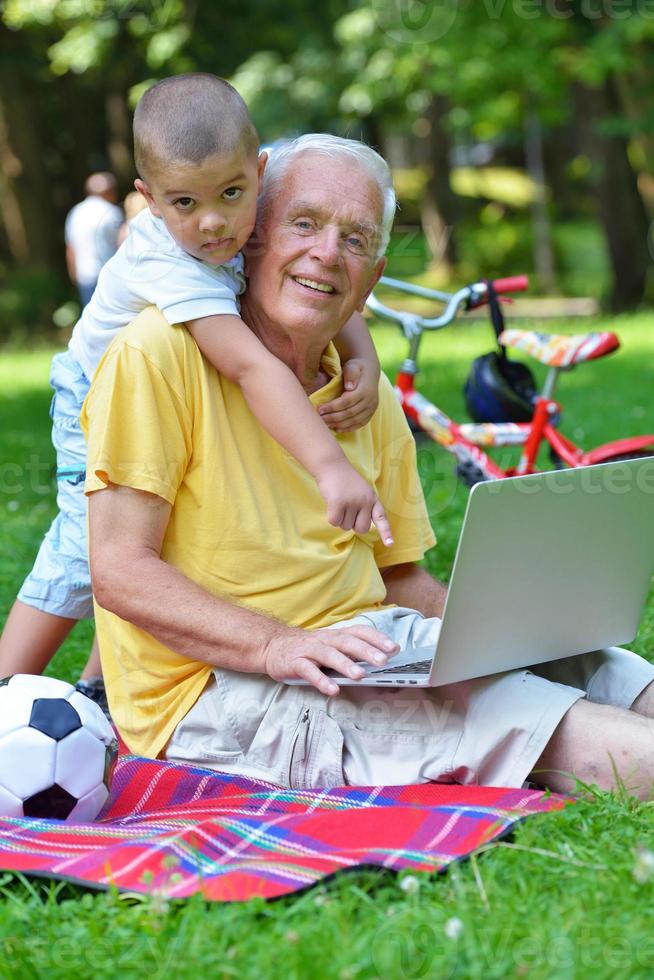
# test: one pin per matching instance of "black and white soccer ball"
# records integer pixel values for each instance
(57, 750)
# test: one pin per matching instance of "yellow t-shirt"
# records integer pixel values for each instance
(247, 520)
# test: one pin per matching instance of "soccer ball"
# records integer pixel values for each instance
(57, 750)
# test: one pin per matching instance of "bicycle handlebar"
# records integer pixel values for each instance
(513, 284)
(473, 295)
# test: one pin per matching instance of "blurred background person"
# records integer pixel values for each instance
(133, 203)
(91, 232)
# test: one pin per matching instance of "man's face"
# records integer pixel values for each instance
(208, 208)
(315, 264)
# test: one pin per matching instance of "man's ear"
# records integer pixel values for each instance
(377, 273)
(261, 166)
(143, 189)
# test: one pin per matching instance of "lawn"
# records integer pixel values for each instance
(571, 895)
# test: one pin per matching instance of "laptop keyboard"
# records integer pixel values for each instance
(420, 667)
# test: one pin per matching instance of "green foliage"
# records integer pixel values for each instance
(497, 242)
(28, 301)
(90, 31)
(364, 68)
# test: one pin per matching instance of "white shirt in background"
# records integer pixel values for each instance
(91, 230)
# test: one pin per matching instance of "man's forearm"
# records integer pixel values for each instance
(183, 616)
(126, 534)
(412, 586)
(130, 579)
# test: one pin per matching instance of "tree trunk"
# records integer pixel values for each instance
(620, 207)
(540, 220)
(119, 137)
(439, 210)
(12, 218)
(28, 210)
(560, 146)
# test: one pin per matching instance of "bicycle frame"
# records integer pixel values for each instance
(467, 441)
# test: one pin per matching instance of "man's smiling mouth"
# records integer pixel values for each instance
(321, 287)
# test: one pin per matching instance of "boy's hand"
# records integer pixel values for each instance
(359, 401)
(351, 502)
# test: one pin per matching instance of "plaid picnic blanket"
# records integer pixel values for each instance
(177, 830)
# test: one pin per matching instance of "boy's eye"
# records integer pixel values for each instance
(184, 203)
(232, 193)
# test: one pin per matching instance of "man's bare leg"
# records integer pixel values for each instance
(597, 743)
(30, 639)
(644, 703)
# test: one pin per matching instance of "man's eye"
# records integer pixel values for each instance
(356, 241)
(232, 193)
(184, 203)
(303, 224)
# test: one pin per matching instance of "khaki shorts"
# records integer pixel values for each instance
(490, 731)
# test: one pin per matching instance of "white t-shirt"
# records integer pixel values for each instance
(150, 269)
(91, 230)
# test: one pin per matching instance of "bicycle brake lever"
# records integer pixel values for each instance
(410, 325)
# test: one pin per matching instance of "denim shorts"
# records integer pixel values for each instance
(60, 582)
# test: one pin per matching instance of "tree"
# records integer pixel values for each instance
(487, 70)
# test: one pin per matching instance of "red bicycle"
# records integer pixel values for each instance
(522, 417)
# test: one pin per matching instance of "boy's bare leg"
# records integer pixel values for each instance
(93, 667)
(30, 639)
(597, 743)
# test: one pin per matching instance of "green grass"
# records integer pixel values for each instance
(559, 900)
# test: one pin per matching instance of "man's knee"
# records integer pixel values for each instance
(597, 744)
(644, 703)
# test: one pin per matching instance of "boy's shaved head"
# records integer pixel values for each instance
(189, 118)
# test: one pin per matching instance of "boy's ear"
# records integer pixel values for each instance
(261, 166)
(143, 189)
(377, 273)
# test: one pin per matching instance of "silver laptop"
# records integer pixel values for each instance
(547, 566)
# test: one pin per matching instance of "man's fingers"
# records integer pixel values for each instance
(381, 522)
(371, 636)
(336, 660)
(310, 672)
(359, 648)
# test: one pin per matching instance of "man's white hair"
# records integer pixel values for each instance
(281, 157)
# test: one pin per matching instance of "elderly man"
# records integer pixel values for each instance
(216, 575)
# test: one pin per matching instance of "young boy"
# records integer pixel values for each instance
(196, 151)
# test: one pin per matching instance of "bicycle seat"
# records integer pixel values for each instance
(560, 350)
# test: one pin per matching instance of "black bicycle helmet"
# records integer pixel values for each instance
(499, 390)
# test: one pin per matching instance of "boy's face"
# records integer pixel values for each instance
(209, 208)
